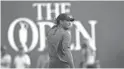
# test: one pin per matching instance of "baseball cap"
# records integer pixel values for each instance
(65, 16)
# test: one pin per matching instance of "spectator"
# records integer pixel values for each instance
(5, 58)
(22, 60)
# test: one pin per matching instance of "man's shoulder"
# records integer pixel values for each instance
(66, 34)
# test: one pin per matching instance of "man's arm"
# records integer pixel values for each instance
(70, 59)
(66, 46)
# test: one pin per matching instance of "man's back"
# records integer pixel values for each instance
(54, 40)
(58, 42)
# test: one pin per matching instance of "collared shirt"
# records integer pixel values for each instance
(58, 42)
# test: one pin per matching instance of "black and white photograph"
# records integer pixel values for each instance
(62, 34)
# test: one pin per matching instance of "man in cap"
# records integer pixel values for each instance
(22, 60)
(5, 58)
(59, 39)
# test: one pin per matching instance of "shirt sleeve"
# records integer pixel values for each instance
(66, 40)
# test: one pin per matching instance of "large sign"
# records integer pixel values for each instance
(40, 35)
